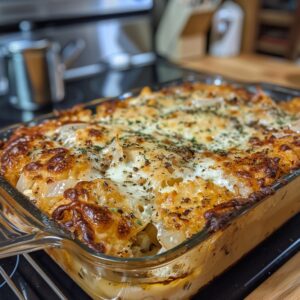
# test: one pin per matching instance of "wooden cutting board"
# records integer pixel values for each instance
(249, 67)
(284, 284)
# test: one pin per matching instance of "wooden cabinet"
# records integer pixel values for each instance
(271, 27)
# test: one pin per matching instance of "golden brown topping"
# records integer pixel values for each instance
(109, 107)
(59, 162)
(18, 147)
(153, 170)
(95, 132)
(33, 166)
(124, 228)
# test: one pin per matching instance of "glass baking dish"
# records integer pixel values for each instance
(175, 274)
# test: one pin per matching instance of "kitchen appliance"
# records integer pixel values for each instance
(35, 71)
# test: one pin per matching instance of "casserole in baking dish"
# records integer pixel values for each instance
(151, 183)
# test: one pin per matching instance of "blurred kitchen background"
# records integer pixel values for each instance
(57, 53)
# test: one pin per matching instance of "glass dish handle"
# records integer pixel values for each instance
(27, 243)
(13, 241)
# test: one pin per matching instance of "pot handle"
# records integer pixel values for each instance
(71, 51)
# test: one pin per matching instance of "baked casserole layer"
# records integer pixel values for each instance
(138, 177)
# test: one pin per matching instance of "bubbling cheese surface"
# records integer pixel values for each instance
(140, 176)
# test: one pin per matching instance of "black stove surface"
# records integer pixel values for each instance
(36, 276)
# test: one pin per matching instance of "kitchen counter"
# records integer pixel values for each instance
(246, 67)
(283, 284)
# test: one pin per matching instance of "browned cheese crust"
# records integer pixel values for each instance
(144, 174)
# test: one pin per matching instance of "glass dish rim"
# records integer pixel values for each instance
(46, 224)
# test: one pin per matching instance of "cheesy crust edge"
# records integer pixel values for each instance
(140, 176)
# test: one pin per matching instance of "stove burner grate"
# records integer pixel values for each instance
(6, 272)
(20, 293)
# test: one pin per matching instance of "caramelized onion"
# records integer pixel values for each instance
(22, 183)
(57, 188)
(67, 133)
(295, 126)
(169, 238)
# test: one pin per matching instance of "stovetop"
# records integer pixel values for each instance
(35, 276)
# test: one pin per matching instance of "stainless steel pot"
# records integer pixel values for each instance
(35, 71)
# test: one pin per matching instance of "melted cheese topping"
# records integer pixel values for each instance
(142, 175)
